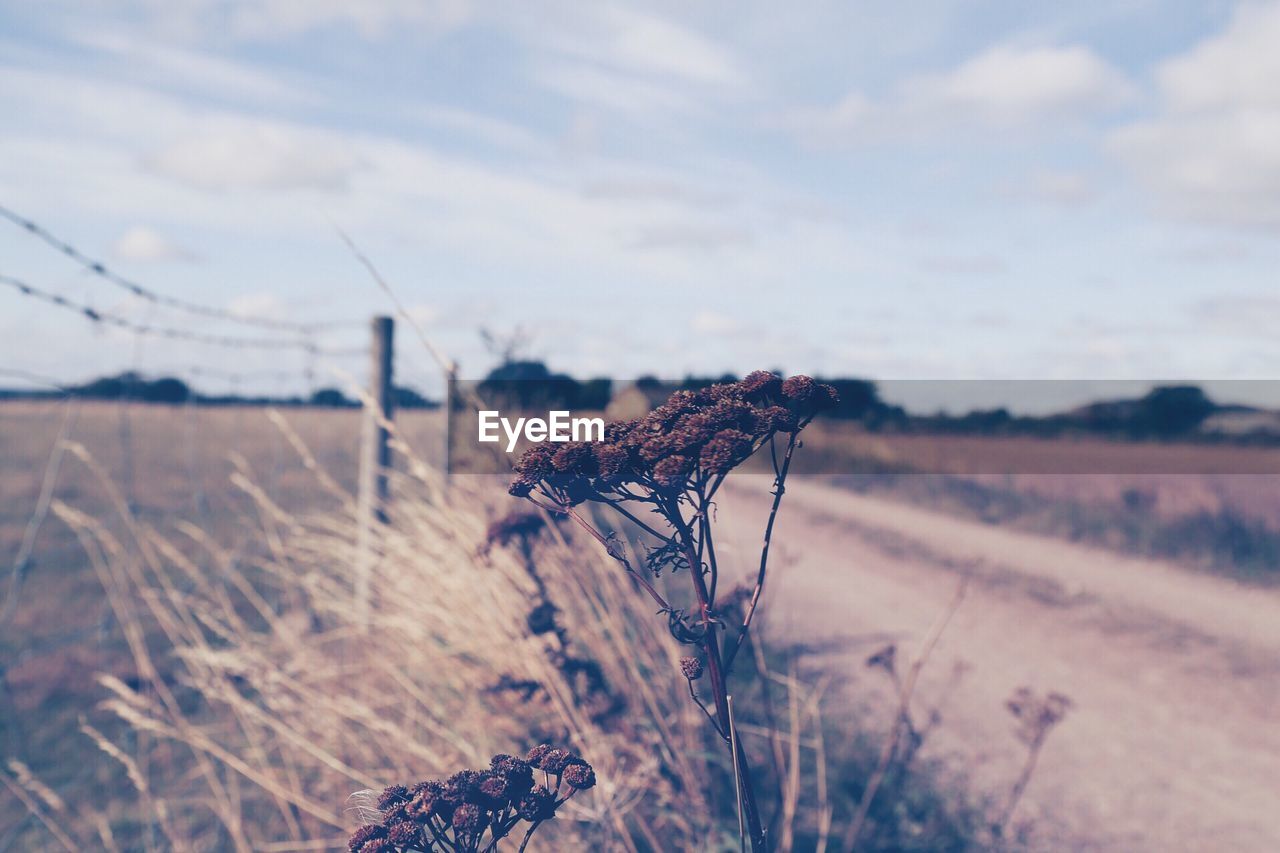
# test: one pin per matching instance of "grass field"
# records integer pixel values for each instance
(171, 464)
(177, 464)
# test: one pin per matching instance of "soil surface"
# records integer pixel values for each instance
(1173, 740)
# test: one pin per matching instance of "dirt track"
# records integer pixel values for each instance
(1174, 740)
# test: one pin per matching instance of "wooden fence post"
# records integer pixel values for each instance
(375, 460)
(450, 408)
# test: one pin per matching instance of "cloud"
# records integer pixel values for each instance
(1002, 88)
(1211, 153)
(1252, 314)
(695, 237)
(488, 130)
(251, 155)
(618, 92)
(975, 265)
(200, 71)
(658, 190)
(1063, 189)
(259, 306)
(1010, 85)
(371, 18)
(646, 43)
(714, 323)
(627, 61)
(140, 243)
(272, 20)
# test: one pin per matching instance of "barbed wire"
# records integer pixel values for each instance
(33, 378)
(235, 376)
(209, 311)
(97, 316)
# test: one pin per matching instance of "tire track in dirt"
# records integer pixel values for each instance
(1173, 743)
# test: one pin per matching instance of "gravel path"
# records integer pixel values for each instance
(1174, 739)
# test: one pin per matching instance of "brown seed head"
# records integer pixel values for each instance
(580, 776)
(691, 667)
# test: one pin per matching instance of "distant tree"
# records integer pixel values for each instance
(109, 387)
(407, 398)
(530, 385)
(132, 386)
(1172, 410)
(166, 390)
(331, 397)
(859, 398)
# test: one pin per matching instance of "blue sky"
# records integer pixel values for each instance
(923, 190)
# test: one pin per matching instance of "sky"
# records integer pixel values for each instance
(932, 190)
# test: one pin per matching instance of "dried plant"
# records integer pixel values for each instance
(662, 472)
(473, 810)
(1035, 716)
(259, 700)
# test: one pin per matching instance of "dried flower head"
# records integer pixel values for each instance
(691, 667)
(555, 760)
(404, 833)
(365, 833)
(392, 796)
(473, 809)
(580, 776)
(1036, 715)
(885, 658)
(694, 435)
(538, 805)
(468, 818)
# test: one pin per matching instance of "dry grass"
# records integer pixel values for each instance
(189, 671)
(260, 702)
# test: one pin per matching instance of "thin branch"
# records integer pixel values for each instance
(640, 580)
(904, 705)
(700, 704)
(779, 489)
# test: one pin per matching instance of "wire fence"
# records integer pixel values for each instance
(274, 335)
(102, 271)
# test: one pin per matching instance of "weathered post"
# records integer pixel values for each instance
(375, 459)
(450, 412)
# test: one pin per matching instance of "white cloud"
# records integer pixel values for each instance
(196, 70)
(372, 18)
(268, 20)
(1003, 87)
(141, 243)
(627, 61)
(974, 265)
(1064, 189)
(486, 129)
(1212, 152)
(714, 323)
(1239, 314)
(258, 306)
(1235, 69)
(252, 155)
(690, 237)
(618, 92)
(1011, 85)
(647, 43)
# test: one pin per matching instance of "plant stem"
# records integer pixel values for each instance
(711, 647)
(905, 692)
(779, 489)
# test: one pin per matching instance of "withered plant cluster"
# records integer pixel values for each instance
(661, 472)
(473, 810)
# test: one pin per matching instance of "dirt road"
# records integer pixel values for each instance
(1174, 739)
